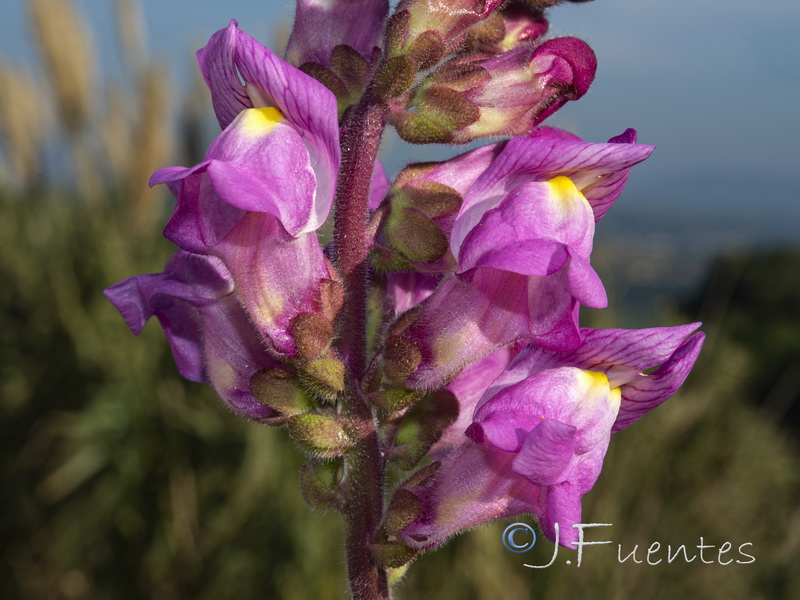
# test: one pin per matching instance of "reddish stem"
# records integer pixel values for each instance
(363, 483)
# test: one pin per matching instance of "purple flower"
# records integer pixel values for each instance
(265, 186)
(211, 336)
(253, 203)
(522, 241)
(540, 432)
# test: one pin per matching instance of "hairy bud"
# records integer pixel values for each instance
(312, 334)
(280, 391)
(324, 378)
(318, 435)
(477, 95)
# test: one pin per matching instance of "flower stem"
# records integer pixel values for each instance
(363, 483)
(360, 138)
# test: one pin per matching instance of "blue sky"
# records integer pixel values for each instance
(714, 84)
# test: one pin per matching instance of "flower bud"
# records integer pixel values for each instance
(438, 27)
(319, 484)
(477, 95)
(312, 335)
(318, 435)
(324, 378)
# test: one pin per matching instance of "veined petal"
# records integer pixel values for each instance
(307, 104)
(542, 158)
(646, 392)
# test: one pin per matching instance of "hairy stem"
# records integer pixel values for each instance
(363, 482)
(361, 136)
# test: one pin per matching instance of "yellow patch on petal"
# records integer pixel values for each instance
(564, 188)
(597, 386)
(565, 195)
(260, 121)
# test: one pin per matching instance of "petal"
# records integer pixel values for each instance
(474, 485)
(277, 276)
(542, 158)
(378, 186)
(211, 337)
(552, 210)
(465, 319)
(320, 25)
(260, 164)
(408, 289)
(469, 386)
(574, 397)
(647, 392)
(637, 349)
(546, 453)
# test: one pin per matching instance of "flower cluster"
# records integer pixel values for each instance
(454, 342)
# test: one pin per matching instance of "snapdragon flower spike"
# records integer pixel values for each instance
(252, 203)
(307, 105)
(479, 95)
(539, 434)
(211, 336)
(321, 25)
(522, 242)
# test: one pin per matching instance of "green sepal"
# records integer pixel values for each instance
(395, 78)
(280, 391)
(422, 426)
(394, 555)
(401, 357)
(446, 107)
(319, 484)
(312, 333)
(403, 510)
(324, 378)
(386, 260)
(318, 435)
(412, 233)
